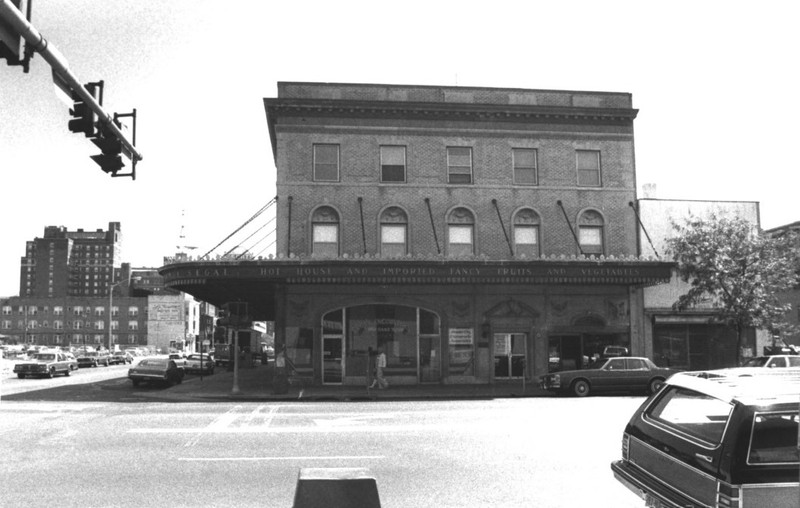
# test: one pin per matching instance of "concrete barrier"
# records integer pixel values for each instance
(346, 487)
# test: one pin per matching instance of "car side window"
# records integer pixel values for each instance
(616, 364)
(774, 439)
(695, 414)
(636, 364)
(794, 361)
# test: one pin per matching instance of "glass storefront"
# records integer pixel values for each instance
(577, 351)
(697, 346)
(409, 336)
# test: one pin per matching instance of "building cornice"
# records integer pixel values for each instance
(445, 111)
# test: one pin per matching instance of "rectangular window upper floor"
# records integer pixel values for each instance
(587, 164)
(325, 163)
(459, 164)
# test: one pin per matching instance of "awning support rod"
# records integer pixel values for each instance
(639, 220)
(575, 236)
(508, 241)
(433, 226)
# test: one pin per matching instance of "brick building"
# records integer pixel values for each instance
(475, 235)
(71, 263)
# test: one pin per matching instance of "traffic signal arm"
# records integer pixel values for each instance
(61, 72)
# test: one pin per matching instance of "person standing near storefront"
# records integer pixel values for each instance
(380, 364)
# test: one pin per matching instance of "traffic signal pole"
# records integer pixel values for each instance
(60, 67)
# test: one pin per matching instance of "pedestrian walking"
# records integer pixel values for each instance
(380, 364)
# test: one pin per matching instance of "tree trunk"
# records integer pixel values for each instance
(739, 343)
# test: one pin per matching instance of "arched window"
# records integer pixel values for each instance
(325, 232)
(394, 232)
(526, 233)
(460, 233)
(590, 233)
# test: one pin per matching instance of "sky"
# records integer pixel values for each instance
(715, 83)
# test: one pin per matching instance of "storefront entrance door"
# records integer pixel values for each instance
(509, 355)
(429, 359)
(332, 358)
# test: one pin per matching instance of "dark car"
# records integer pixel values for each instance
(715, 439)
(156, 370)
(93, 359)
(621, 374)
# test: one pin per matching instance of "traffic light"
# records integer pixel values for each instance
(83, 118)
(110, 159)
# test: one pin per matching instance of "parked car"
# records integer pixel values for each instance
(122, 357)
(773, 361)
(156, 370)
(73, 362)
(44, 365)
(93, 359)
(630, 374)
(614, 351)
(202, 364)
(713, 439)
(179, 358)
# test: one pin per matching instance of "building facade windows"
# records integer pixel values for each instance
(326, 163)
(460, 233)
(133, 311)
(394, 232)
(591, 233)
(459, 164)
(588, 165)
(393, 164)
(525, 166)
(325, 232)
(526, 233)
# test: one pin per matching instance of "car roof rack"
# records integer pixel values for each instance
(763, 386)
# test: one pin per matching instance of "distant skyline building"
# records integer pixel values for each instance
(75, 290)
(71, 263)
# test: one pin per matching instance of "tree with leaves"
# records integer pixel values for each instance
(728, 260)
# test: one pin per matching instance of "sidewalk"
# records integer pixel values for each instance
(255, 384)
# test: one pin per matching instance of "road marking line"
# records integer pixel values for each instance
(254, 459)
(224, 420)
(221, 423)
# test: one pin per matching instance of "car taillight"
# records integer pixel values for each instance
(727, 495)
(626, 441)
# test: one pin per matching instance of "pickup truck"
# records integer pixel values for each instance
(44, 365)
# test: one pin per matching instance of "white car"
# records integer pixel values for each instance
(773, 361)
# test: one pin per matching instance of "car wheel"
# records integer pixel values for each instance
(580, 388)
(51, 373)
(655, 385)
(67, 372)
(21, 375)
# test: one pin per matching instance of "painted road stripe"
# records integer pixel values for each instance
(254, 459)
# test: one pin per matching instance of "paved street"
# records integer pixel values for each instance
(552, 452)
